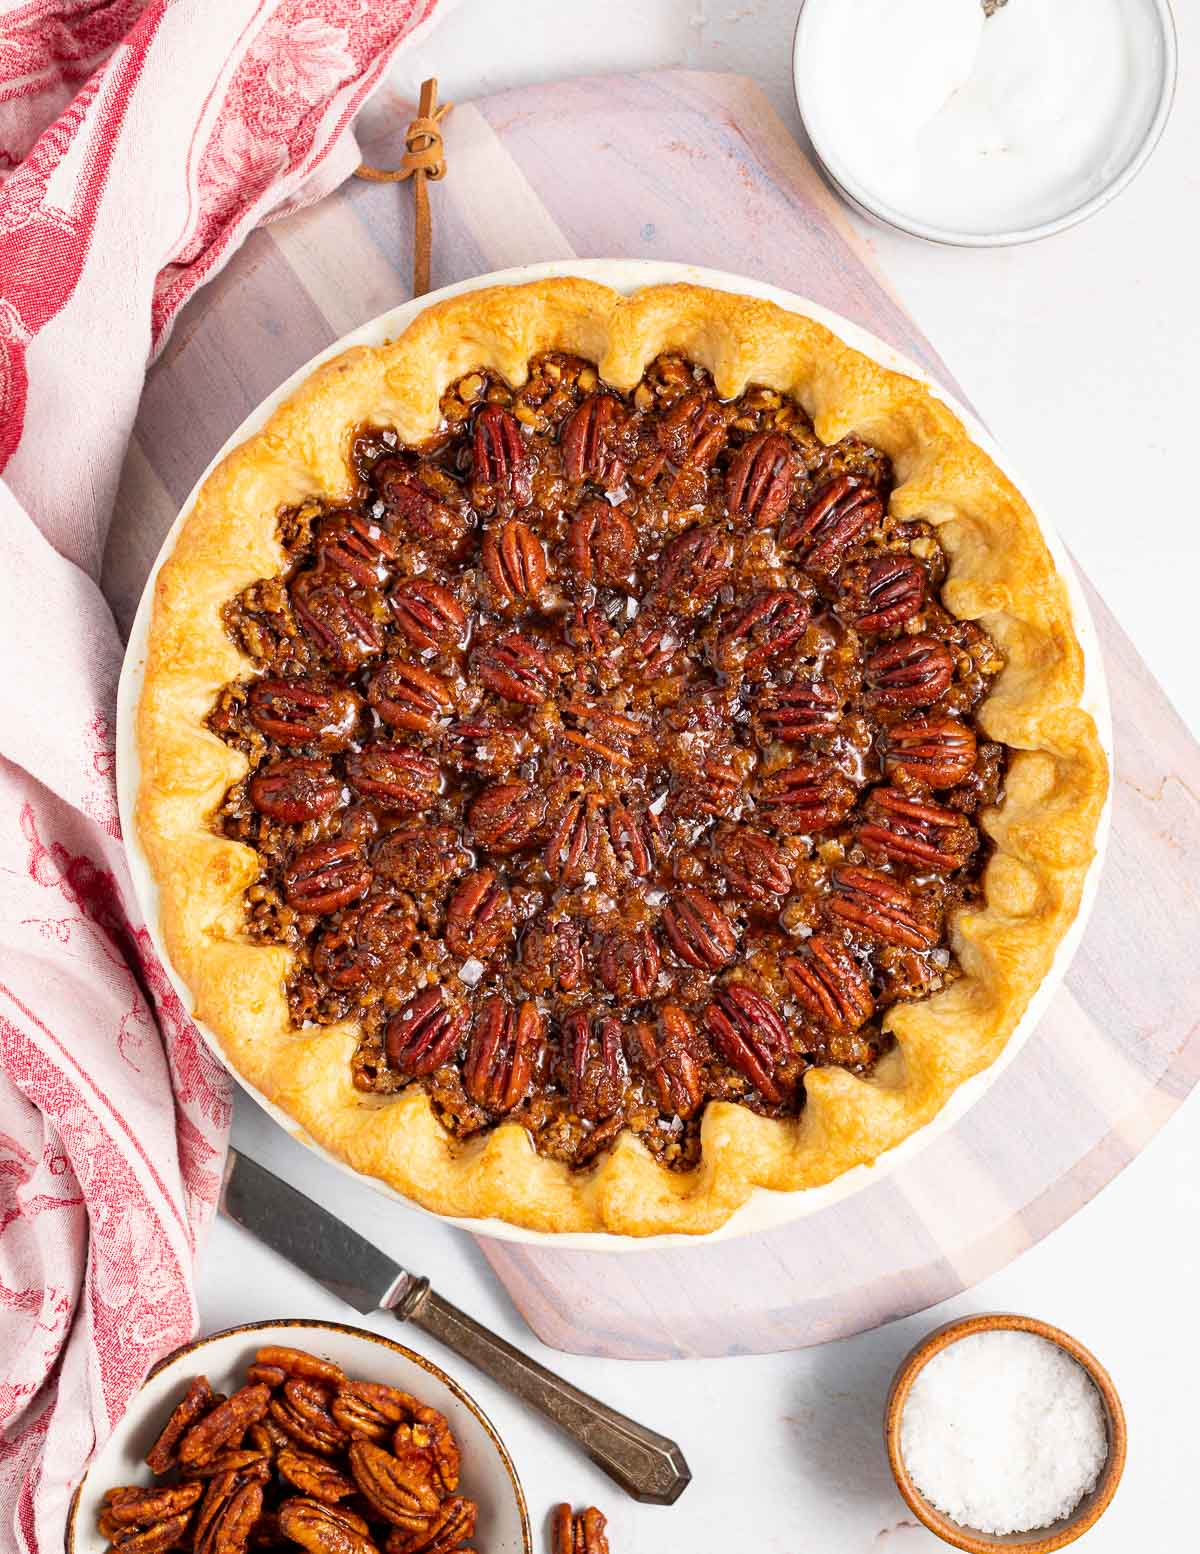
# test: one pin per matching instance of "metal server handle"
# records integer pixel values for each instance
(647, 1465)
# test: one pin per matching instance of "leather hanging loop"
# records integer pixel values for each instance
(424, 159)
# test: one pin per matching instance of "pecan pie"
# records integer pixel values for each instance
(601, 754)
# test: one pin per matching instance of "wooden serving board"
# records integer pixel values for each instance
(677, 165)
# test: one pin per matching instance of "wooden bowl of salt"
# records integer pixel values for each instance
(1005, 1433)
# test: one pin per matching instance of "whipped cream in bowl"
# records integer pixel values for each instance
(983, 130)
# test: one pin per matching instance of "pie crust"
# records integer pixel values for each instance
(1002, 575)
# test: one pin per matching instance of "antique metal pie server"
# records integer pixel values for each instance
(647, 1465)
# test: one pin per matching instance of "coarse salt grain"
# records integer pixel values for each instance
(1004, 1432)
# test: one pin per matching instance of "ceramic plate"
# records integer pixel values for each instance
(488, 1475)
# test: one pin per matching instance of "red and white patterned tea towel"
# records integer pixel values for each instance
(140, 141)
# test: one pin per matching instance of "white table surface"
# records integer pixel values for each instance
(1086, 345)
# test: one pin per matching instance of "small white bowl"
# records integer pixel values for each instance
(1158, 95)
(488, 1475)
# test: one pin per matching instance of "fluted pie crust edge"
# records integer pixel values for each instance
(1001, 574)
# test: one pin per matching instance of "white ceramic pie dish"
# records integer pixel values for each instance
(488, 1475)
(764, 1210)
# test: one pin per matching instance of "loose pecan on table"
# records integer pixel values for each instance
(581, 1532)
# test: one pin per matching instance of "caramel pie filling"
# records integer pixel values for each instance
(609, 754)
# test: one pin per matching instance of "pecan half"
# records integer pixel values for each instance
(600, 543)
(427, 614)
(226, 1516)
(147, 1521)
(340, 619)
(249, 1463)
(652, 650)
(196, 1401)
(628, 962)
(581, 1533)
(758, 482)
(270, 1375)
(668, 1055)
(587, 443)
(754, 865)
(514, 667)
(505, 815)
(327, 876)
(422, 1035)
(446, 1533)
(479, 918)
(551, 956)
(790, 713)
(939, 752)
(698, 931)
(297, 1362)
(691, 435)
(500, 464)
(368, 945)
(574, 843)
(302, 1411)
(371, 1409)
(810, 795)
(228, 1422)
(840, 512)
(302, 712)
(601, 731)
(905, 830)
(910, 672)
(772, 621)
(355, 544)
(419, 857)
(747, 1030)
(594, 1064)
(636, 837)
(892, 592)
(828, 981)
(693, 431)
(879, 906)
(394, 777)
(324, 1529)
(420, 510)
(503, 1051)
(428, 1444)
(313, 1475)
(294, 790)
(694, 566)
(410, 697)
(395, 1492)
(515, 563)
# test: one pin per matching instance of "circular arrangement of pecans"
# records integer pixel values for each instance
(610, 754)
(298, 1455)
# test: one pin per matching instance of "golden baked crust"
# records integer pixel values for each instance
(1002, 575)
